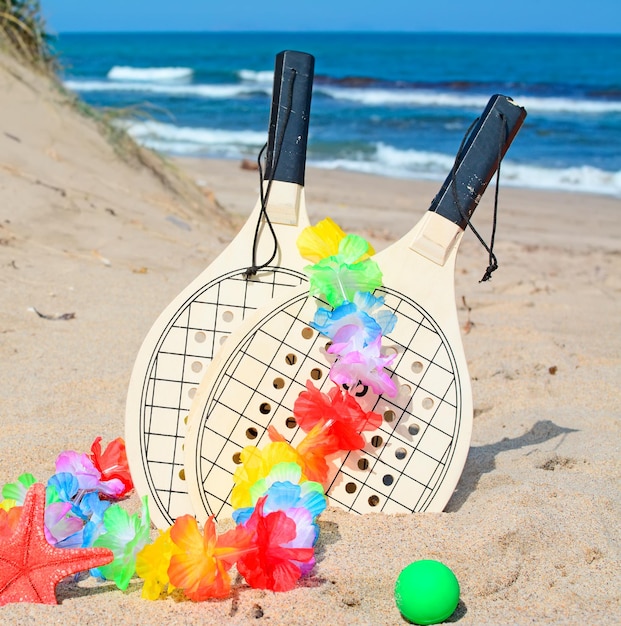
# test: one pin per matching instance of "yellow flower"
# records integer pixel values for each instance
(257, 464)
(152, 565)
(7, 504)
(322, 240)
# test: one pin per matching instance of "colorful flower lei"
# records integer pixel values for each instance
(279, 491)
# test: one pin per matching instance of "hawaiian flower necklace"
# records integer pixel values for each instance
(279, 491)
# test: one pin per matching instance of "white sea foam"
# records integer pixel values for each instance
(424, 98)
(395, 163)
(186, 141)
(385, 160)
(195, 91)
(136, 79)
(151, 74)
(251, 76)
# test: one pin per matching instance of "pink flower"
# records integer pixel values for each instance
(366, 366)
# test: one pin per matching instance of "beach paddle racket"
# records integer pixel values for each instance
(260, 263)
(413, 461)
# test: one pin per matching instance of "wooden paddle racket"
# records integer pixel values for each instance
(415, 458)
(189, 332)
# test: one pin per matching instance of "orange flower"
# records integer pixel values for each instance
(201, 562)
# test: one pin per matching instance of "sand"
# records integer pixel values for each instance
(532, 531)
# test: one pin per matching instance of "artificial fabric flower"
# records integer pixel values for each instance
(125, 535)
(93, 508)
(306, 535)
(274, 565)
(88, 476)
(64, 487)
(17, 491)
(63, 528)
(200, 562)
(7, 504)
(340, 413)
(365, 315)
(113, 465)
(256, 464)
(9, 520)
(338, 277)
(283, 491)
(321, 241)
(364, 366)
(312, 452)
(152, 564)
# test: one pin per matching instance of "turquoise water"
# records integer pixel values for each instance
(394, 104)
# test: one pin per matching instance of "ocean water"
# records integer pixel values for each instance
(393, 104)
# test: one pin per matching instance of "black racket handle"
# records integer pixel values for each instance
(479, 158)
(289, 117)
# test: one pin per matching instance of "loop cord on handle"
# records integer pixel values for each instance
(265, 194)
(492, 260)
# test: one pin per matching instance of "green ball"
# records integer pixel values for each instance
(426, 592)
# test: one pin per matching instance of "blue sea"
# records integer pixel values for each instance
(392, 104)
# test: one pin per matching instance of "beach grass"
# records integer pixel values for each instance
(23, 29)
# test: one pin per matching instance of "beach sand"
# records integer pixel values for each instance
(532, 531)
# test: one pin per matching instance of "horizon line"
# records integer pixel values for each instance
(336, 31)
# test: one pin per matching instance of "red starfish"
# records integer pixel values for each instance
(30, 568)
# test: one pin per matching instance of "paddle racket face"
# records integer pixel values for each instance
(187, 335)
(404, 462)
(413, 461)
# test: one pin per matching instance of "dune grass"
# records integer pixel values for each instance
(23, 29)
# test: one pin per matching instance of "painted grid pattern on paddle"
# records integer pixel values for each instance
(183, 352)
(403, 462)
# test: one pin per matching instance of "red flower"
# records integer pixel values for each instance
(272, 565)
(340, 412)
(112, 463)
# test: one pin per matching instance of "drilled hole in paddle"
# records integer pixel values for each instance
(185, 419)
(290, 422)
(237, 458)
(307, 333)
(252, 433)
(182, 474)
(265, 408)
(401, 453)
(405, 390)
(191, 392)
(223, 339)
(374, 500)
(278, 383)
(413, 429)
(291, 359)
(363, 464)
(390, 351)
(228, 316)
(417, 367)
(328, 345)
(316, 373)
(350, 487)
(427, 403)
(388, 480)
(197, 366)
(200, 337)
(376, 441)
(389, 416)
